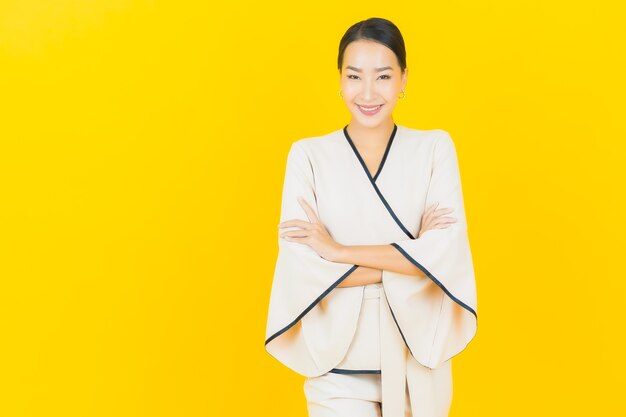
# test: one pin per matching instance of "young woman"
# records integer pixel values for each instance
(374, 290)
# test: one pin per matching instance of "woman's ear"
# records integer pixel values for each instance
(405, 74)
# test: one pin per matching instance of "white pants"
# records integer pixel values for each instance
(360, 394)
(349, 395)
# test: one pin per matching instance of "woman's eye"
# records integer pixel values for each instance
(356, 76)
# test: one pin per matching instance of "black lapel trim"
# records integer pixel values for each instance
(358, 155)
(397, 325)
(400, 330)
(389, 142)
(435, 280)
(373, 179)
(317, 300)
(354, 371)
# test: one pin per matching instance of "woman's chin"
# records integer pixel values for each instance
(369, 121)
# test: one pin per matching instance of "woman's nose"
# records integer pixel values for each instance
(368, 90)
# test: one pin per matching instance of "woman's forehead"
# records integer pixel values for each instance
(370, 56)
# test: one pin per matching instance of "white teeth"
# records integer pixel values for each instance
(370, 108)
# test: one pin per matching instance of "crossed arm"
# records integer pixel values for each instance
(372, 259)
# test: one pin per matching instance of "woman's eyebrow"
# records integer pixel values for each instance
(359, 69)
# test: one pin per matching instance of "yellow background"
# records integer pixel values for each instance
(142, 156)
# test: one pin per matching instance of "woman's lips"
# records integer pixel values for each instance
(369, 110)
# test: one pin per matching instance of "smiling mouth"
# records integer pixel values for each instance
(369, 108)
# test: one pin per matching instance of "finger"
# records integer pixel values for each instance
(296, 223)
(432, 207)
(301, 240)
(309, 211)
(295, 234)
(429, 211)
(446, 221)
(441, 211)
(440, 220)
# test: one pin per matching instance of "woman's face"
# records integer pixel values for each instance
(371, 81)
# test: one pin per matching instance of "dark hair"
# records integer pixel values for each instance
(378, 30)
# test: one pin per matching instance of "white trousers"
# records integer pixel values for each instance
(349, 395)
(428, 392)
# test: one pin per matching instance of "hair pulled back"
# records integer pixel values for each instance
(378, 30)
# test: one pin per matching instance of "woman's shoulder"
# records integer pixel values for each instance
(322, 142)
(423, 134)
(405, 137)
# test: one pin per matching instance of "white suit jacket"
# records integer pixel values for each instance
(310, 321)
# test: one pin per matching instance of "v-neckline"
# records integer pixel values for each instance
(358, 155)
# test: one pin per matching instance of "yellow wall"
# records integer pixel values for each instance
(142, 151)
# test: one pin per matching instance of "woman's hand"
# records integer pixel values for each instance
(312, 233)
(434, 219)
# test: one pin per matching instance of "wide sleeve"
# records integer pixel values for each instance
(436, 313)
(302, 284)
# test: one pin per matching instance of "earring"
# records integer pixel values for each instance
(340, 95)
(403, 94)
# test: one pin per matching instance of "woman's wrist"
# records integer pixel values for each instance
(340, 253)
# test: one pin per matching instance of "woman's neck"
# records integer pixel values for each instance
(370, 137)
